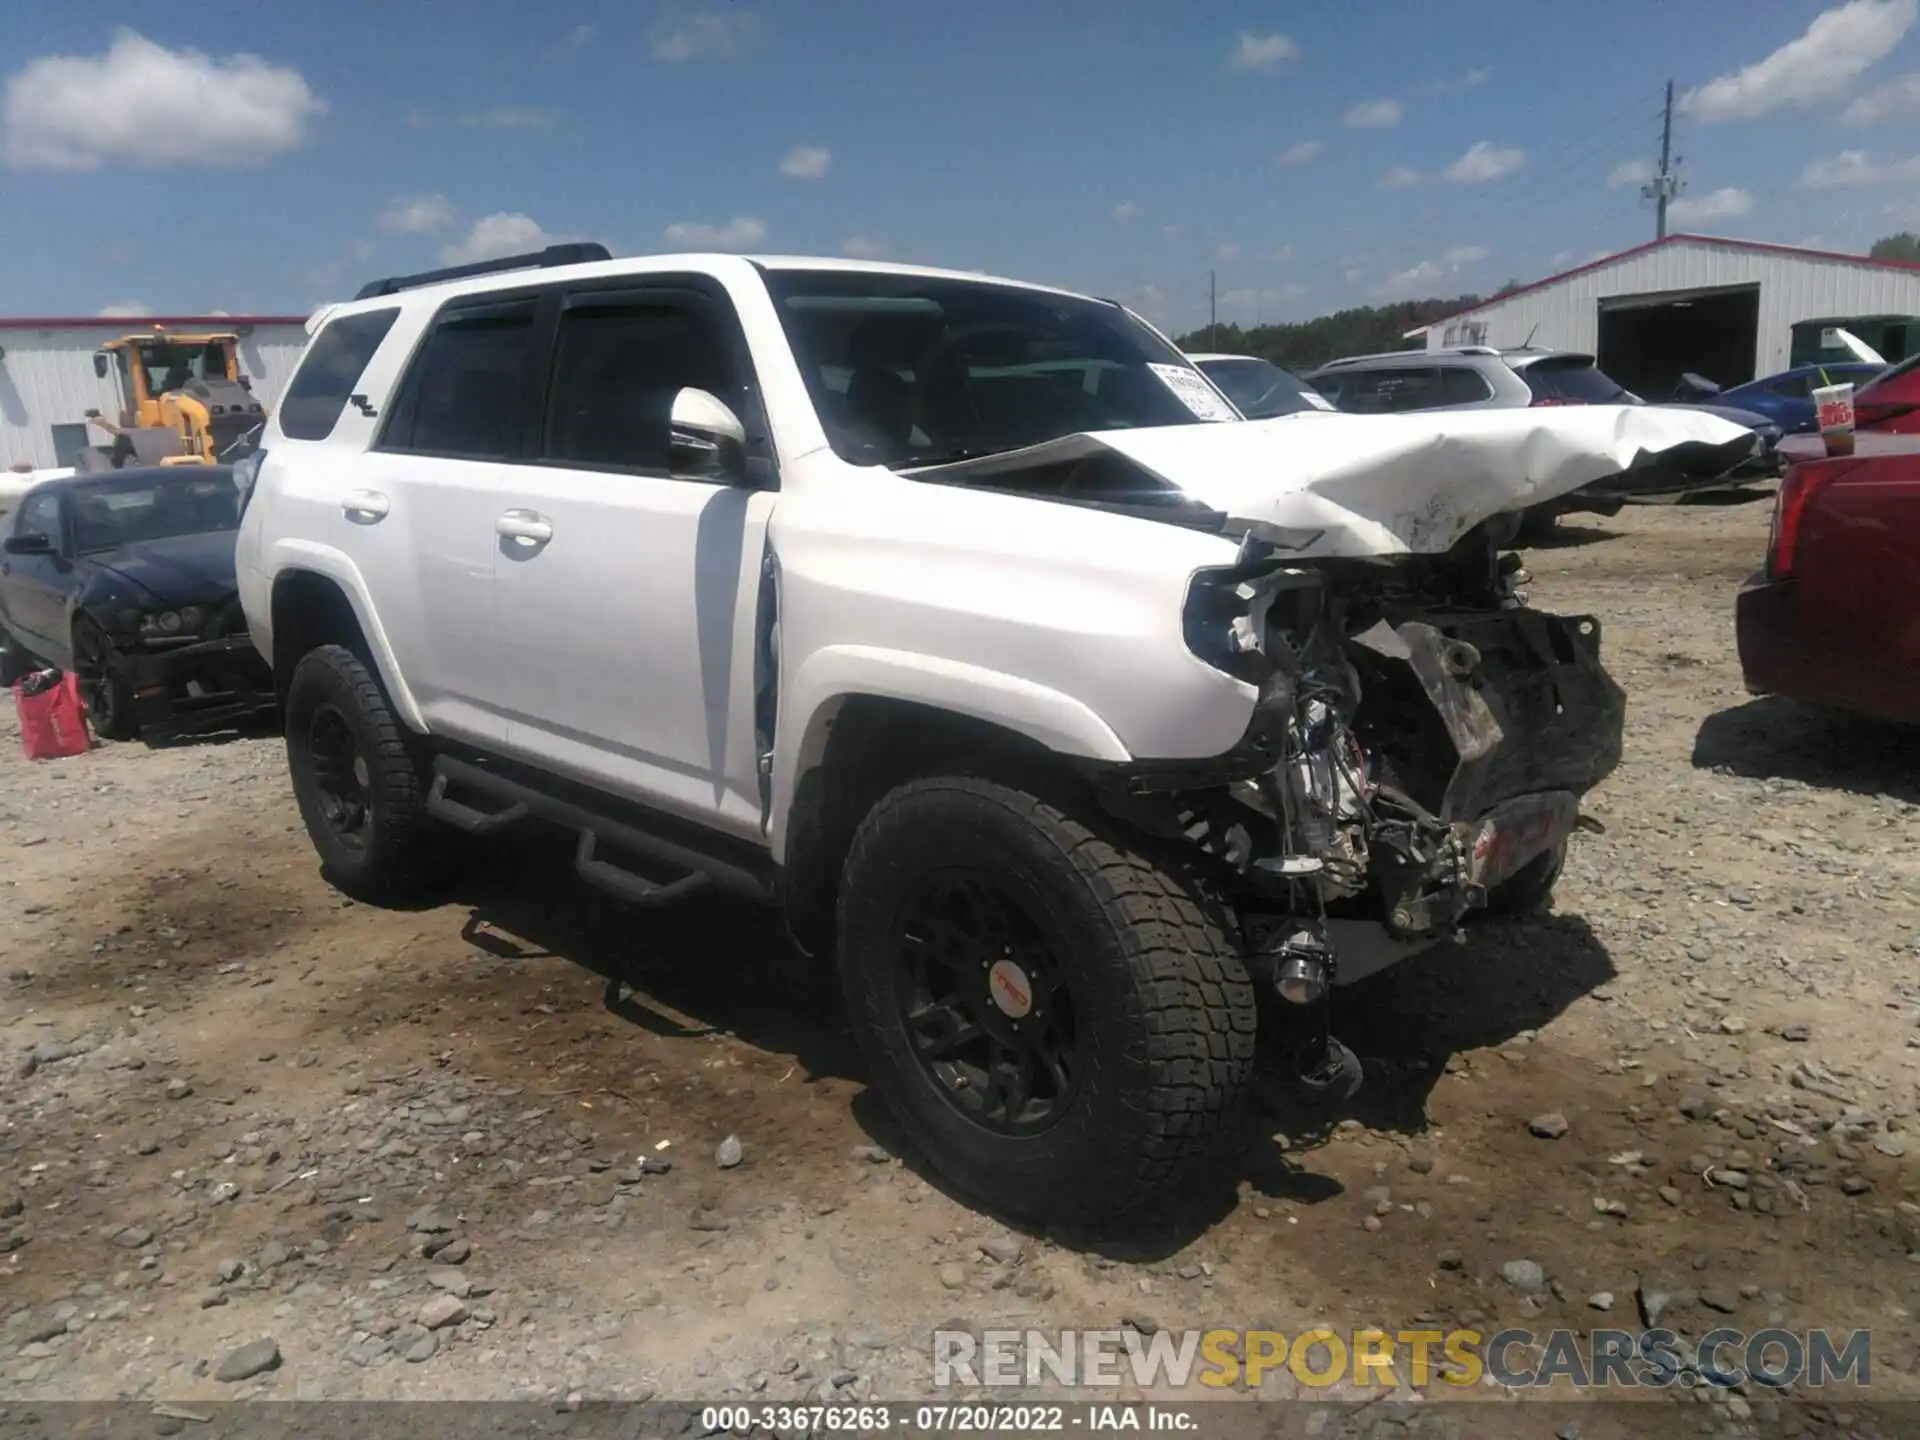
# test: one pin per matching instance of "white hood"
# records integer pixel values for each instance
(1334, 486)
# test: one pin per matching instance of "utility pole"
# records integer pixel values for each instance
(1213, 315)
(1665, 184)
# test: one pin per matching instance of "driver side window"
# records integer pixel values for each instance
(41, 516)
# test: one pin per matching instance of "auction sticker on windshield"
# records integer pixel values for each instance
(1193, 391)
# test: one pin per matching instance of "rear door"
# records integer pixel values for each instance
(624, 596)
(422, 505)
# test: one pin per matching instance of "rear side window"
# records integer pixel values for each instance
(1461, 386)
(332, 367)
(1573, 382)
(465, 393)
(1385, 392)
(617, 366)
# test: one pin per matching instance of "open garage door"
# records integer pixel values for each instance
(1647, 342)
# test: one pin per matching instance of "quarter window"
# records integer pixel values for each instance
(333, 366)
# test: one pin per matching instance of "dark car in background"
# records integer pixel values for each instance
(126, 579)
(1833, 618)
(1786, 398)
(1260, 389)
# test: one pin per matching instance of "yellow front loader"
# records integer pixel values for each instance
(183, 401)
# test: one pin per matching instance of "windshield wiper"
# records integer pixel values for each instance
(949, 457)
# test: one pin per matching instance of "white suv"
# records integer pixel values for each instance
(1082, 719)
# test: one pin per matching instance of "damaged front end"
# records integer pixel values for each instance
(1420, 743)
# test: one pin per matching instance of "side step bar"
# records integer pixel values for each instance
(520, 801)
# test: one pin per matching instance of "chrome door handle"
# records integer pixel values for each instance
(527, 525)
(363, 507)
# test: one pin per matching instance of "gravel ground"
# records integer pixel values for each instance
(257, 1140)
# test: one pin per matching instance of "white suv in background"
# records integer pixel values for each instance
(1083, 721)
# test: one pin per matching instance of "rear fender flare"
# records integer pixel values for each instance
(288, 556)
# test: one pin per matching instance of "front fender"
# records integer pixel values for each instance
(830, 675)
(288, 555)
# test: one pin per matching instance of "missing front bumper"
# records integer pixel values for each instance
(199, 687)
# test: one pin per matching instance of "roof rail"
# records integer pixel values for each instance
(578, 253)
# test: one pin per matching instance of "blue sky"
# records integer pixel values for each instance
(266, 157)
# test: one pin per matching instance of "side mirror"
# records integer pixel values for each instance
(30, 542)
(705, 439)
(100, 364)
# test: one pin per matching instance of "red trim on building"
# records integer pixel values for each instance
(128, 324)
(1765, 247)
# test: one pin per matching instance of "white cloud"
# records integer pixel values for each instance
(1282, 255)
(1485, 161)
(704, 33)
(1410, 282)
(1474, 79)
(505, 232)
(742, 232)
(1257, 298)
(1303, 151)
(1724, 204)
(1398, 178)
(124, 310)
(1856, 167)
(1228, 251)
(581, 35)
(1374, 114)
(143, 104)
(1262, 52)
(1353, 274)
(1838, 47)
(806, 162)
(421, 215)
(1466, 255)
(1629, 172)
(1126, 210)
(1894, 97)
(862, 247)
(511, 117)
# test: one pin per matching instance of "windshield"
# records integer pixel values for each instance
(171, 365)
(1574, 380)
(910, 370)
(110, 514)
(1259, 388)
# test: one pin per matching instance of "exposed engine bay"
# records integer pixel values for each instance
(1420, 745)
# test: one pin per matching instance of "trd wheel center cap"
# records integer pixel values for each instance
(1012, 991)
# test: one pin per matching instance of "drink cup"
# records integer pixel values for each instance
(1835, 404)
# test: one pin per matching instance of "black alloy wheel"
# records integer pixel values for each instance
(341, 777)
(987, 1004)
(104, 691)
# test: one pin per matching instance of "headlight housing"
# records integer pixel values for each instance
(182, 622)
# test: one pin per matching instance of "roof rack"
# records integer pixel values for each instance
(579, 253)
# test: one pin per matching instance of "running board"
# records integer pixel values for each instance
(518, 800)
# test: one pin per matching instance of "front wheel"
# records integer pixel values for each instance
(1061, 1024)
(358, 780)
(104, 690)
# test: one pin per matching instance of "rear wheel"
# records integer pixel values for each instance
(359, 780)
(1061, 1025)
(104, 689)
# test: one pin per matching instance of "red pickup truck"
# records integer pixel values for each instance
(1834, 617)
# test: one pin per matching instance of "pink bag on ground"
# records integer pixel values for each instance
(53, 723)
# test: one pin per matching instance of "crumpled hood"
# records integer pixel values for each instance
(1350, 486)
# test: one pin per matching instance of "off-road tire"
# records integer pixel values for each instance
(1164, 1009)
(404, 852)
(116, 720)
(1529, 891)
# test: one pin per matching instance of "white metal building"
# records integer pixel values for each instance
(1731, 310)
(47, 383)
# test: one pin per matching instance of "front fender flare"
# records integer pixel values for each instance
(828, 676)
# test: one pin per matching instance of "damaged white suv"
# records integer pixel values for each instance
(1081, 719)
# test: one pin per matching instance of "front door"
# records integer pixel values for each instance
(37, 585)
(625, 598)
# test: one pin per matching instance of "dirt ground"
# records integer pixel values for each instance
(238, 1107)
